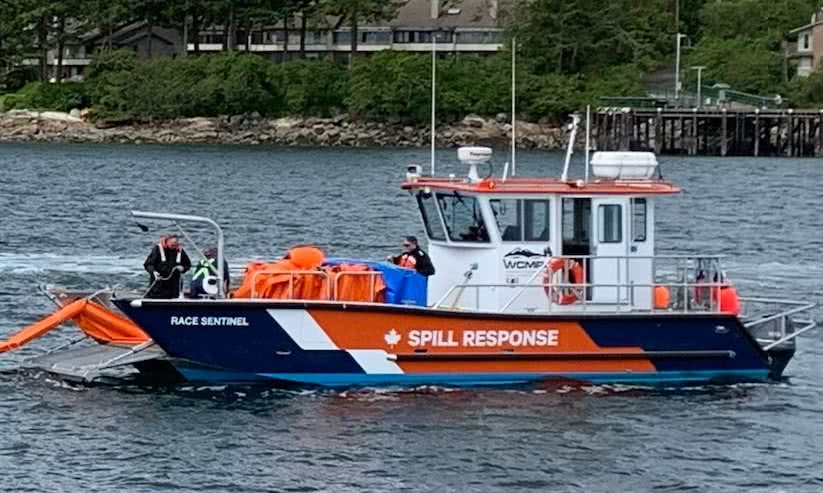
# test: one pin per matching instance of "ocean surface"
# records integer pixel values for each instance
(65, 221)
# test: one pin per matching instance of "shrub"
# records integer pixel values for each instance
(47, 96)
(391, 84)
(315, 87)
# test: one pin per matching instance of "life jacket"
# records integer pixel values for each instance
(163, 253)
(204, 279)
(727, 299)
(407, 261)
(204, 269)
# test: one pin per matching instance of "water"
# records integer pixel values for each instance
(65, 221)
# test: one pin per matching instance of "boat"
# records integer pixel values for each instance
(538, 279)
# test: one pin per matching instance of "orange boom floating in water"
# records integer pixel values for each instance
(96, 321)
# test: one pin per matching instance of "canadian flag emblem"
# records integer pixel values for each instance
(392, 337)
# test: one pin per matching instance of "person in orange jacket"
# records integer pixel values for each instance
(413, 257)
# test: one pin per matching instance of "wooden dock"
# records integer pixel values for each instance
(710, 132)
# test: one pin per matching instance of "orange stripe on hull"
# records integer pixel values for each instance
(407, 333)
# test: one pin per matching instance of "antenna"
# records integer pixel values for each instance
(570, 147)
(434, 96)
(514, 105)
(588, 137)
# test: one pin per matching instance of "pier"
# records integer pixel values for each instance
(710, 132)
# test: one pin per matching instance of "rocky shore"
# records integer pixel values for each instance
(30, 126)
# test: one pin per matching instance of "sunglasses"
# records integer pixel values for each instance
(407, 245)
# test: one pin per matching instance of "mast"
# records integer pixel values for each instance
(434, 103)
(514, 106)
(588, 137)
(570, 147)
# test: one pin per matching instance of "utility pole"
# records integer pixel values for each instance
(677, 15)
(699, 69)
(677, 67)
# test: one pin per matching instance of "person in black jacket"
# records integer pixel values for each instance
(413, 257)
(165, 264)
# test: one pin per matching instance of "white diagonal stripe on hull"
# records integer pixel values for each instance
(302, 328)
(374, 361)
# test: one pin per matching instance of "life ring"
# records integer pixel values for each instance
(554, 275)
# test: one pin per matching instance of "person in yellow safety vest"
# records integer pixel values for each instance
(204, 279)
(413, 257)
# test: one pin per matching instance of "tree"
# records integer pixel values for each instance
(745, 64)
(355, 12)
(573, 36)
(766, 20)
(12, 42)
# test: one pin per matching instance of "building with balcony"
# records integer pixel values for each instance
(806, 44)
(457, 26)
(463, 26)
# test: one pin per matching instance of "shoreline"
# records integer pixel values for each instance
(22, 126)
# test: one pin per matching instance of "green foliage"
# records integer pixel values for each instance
(315, 87)
(807, 92)
(164, 88)
(763, 20)
(570, 37)
(744, 64)
(45, 96)
(391, 84)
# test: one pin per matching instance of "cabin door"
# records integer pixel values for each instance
(610, 252)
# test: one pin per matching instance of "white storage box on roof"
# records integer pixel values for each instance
(624, 165)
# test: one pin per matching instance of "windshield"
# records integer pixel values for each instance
(463, 218)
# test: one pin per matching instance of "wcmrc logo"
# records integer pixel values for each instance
(523, 259)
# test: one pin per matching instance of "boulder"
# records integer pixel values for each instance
(474, 121)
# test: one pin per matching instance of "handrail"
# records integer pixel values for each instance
(713, 305)
(332, 280)
(221, 289)
(527, 283)
(372, 277)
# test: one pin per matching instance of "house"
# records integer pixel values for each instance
(807, 44)
(79, 47)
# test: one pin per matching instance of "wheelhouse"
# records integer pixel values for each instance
(502, 232)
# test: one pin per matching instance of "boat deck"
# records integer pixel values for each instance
(90, 362)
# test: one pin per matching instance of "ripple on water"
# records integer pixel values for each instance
(128, 437)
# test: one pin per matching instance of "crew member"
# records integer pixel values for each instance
(204, 279)
(413, 257)
(165, 264)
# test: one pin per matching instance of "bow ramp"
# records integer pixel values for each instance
(118, 341)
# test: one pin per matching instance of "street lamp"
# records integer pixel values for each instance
(699, 69)
(677, 67)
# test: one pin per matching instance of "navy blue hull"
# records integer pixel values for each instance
(283, 343)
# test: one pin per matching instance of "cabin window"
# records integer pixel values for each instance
(537, 214)
(428, 210)
(639, 215)
(508, 215)
(611, 223)
(463, 218)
